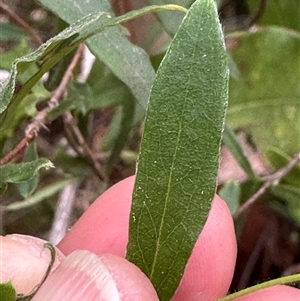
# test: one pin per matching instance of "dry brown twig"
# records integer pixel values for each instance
(21, 23)
(69, 120)
(33, 128)
(271, 180)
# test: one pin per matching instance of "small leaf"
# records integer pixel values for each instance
(16, 173)
(124, 128)
(236, 150)
(230, 193)
(7, 292)
(279, 159)
(38, 196)
(26, 188)
(291, 196)
(80, 98)
(179, 155)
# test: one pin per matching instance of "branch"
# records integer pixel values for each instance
(271, 180)
(33, 128)
(21, 23)
(68, 118)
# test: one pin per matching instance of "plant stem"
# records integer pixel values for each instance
(33, 128)
(278, 281)
(21, 23)
(271, 180)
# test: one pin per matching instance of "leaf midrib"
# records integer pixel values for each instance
(158, 241)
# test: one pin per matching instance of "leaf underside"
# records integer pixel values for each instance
(179, 155)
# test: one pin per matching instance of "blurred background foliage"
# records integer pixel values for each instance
(92, 137)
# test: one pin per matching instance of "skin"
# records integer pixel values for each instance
(104, 229)
(24, 261)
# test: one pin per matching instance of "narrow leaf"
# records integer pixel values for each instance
(16, 173)
(179, 155)
(51, 52)
(291, 196)
(26, 188)
(231, 193)
(127, 61)
(38, 196)
(124, 128)
(236, 150)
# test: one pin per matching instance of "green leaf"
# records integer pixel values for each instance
(38, 196)
(179, 155)
(280, 12)
(20, 172)
(8, 57)
(57, 72)
(170, 20)
(236, 150)
(80, 98)
(107, 89)
(16, 113)
(26, 188)
(7, 292)
(125, 125)
(11, 32)
(75, 166)
(265, 100)
(51, 52)
(279, 159)
(230, 193)
(291, 196)
(127, 61)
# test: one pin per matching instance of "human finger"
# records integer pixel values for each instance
(274, 293)
(104, 229)
(84, 276)
(24, 261)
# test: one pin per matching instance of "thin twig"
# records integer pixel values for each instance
(271, 180)
(33, 128)
(18, 149)
(21, 23)
(68, 118)
(72, 140)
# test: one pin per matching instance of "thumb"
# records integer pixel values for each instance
(84, 276)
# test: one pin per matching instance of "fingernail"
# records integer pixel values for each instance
(84, 276)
